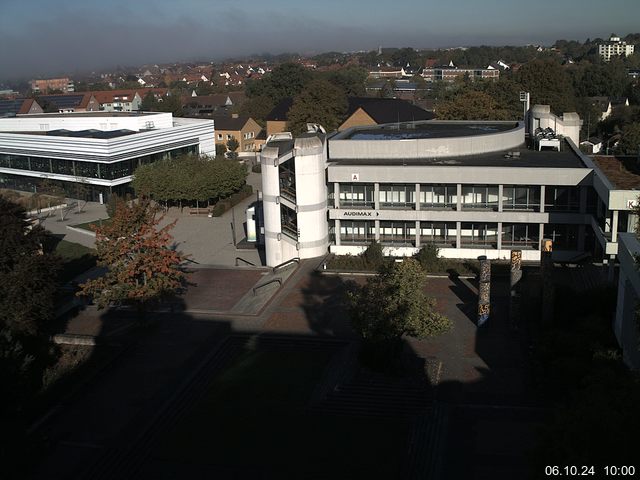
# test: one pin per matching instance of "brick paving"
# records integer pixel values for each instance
(478, 371)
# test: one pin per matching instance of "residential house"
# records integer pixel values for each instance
(70, 102)
(208, 105)
(19, 106)
(606, 105)
(244, 129)
(365, 111)
(118, 100)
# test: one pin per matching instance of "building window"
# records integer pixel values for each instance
(220, 137)
(479, 235)
(357, 233)
(397, 196)
(229, 137)
(289, 222)
(287, 174)
(520, 235)
(397, 233)
(562, 199)
(480, 196)
(356, 195)
(564, 237)
(440, 233)
(438, 196)
(519, 197)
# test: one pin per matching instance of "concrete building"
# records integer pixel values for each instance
(98, 149)
(615, 47)
(450, 73)
(471, 188)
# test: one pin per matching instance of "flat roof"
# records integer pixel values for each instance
(522, 158)
(622, 172)
(428, 129)
(88, 114)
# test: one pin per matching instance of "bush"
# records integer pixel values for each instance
(257, 168)
(230, 202)
(373, 255)
(428, 257)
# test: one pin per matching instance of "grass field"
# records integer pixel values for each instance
(254, 418)
(76, 259)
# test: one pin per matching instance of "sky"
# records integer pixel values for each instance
(46, 37)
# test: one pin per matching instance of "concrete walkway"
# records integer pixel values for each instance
(206, 241)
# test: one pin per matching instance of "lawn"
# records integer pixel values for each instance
(76, 259)
(87, 225)
(254, 418)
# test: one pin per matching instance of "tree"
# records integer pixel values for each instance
(630, 140)
(142, 268)
(27, 275)
(548, 83)
(350, 79)
(149, 103)
(257, 108)
(320, 102)
(392, 304)
(232, 146)
(286, 80)
(472, 105)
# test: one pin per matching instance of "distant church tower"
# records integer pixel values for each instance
(380, 50)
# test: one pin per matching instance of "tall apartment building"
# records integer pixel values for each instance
(615, 47)
(50, 84)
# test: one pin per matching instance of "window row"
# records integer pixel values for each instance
(78, 168)
(441, 197)
(445, 234)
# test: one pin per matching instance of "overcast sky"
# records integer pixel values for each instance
(44, 37)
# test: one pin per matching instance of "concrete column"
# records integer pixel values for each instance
(377, 234)
(614, 226)
(418, 233)
(607, 223)
(583, 199)
(499, 236)
(336, 195)
(542, 199)
(500, 193)
(376, 196)
(417, 197)
(336, 228)
(540, 236)
(458, 235)
(459, 197)
(632, 222)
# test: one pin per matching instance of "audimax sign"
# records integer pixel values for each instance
(361, 214)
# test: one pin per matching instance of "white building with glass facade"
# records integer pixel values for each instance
(471, 188)
(101, 150)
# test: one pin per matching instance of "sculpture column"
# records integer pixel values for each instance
(484, 291)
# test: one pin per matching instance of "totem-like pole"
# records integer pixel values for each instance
(548, 293)
(514, 290)
(484, 291)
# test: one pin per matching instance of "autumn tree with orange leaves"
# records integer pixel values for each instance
(141, 266)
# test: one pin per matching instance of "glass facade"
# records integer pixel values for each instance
(520, 235)
(357, 233)
(440, 234)
(479, 235)
(397, 196)
(79, 168)
(521, 197)
(438, 196)
(357, 195)
(397, 233)
(480, 197)
(564, 237)
(562, 199)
